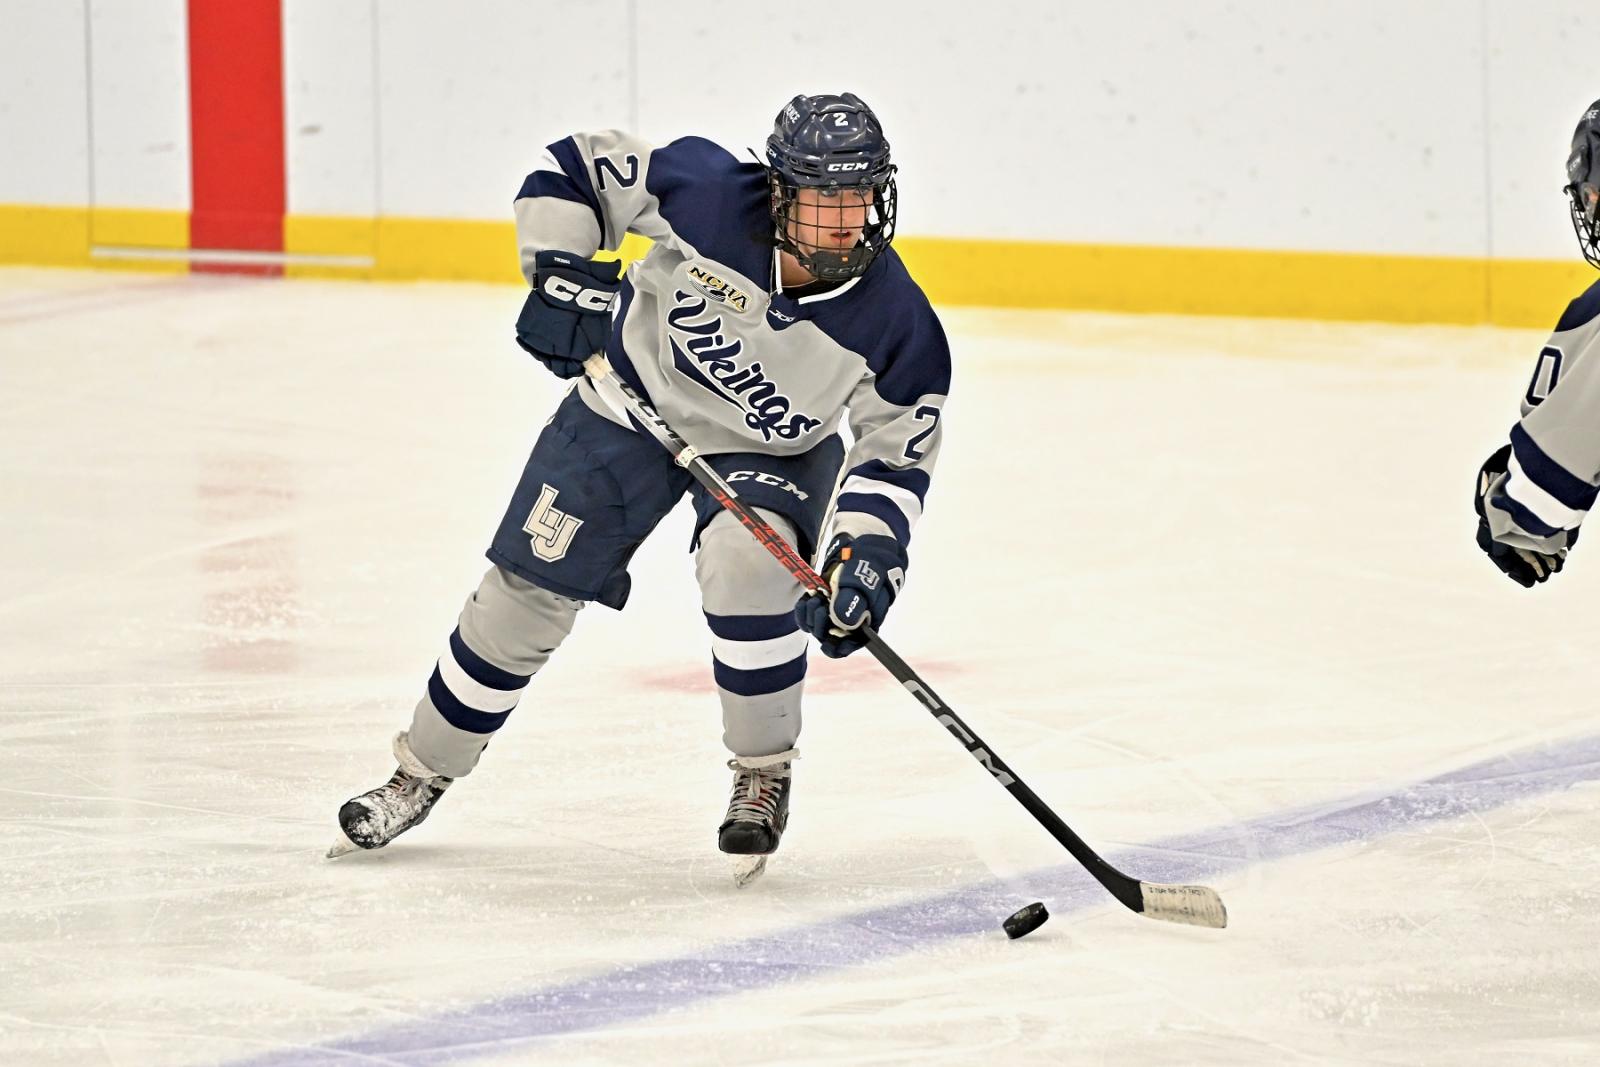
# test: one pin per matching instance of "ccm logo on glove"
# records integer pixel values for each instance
(567, 316)
(569, 292)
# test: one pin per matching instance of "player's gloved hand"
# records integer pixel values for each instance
(865, 574)
(1525, 566)
(567, 317)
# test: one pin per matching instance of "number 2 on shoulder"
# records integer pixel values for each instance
(923, 414)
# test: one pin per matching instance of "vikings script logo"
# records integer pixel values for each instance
(705, 356)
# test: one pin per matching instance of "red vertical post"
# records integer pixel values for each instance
(236, 125)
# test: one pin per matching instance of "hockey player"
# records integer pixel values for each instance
(770, 303)
(1533, 493)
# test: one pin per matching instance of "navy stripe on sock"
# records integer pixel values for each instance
(458, 714)
(752, 627)
(481, 670)
(759, 683)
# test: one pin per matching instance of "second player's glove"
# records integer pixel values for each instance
(567, 317)
(865, 574)
(1525, 566)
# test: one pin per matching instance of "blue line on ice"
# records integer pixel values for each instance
(636, 992)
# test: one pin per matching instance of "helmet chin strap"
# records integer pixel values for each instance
(828, 266)
(795, 259)
(785, 260)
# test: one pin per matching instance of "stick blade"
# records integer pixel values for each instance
(1192, 905)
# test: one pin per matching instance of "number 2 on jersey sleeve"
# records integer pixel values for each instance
(925, 412)
(1545, 375)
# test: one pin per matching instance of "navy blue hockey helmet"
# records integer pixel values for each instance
(834, 145)
(1583, 183)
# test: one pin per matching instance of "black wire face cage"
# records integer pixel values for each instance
(1585, 201)
(803, 231)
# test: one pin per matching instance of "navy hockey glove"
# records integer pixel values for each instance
(567, 317)
(1525, 566)
(866, 573)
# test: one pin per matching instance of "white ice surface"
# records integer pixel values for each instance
(1180, 573)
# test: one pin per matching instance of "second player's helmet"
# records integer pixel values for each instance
(834, 144)
(1583, 183)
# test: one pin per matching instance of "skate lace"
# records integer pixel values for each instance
(397, 800)
(755, 793)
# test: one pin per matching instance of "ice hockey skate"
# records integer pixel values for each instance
(380, 815)
(758, 811)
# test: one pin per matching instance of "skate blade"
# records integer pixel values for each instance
(747, 869)
(342, 846)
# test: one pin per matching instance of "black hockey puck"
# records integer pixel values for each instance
(1026, 921)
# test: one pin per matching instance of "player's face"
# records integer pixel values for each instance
(829, 220)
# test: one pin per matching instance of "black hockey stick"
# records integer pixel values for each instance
(1195, 905)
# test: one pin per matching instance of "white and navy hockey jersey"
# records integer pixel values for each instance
(706, 333)
(1554, 470)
